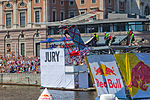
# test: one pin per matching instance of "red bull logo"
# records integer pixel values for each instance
(45, 95)
(109, 83)
(104, 70)
(140, 76)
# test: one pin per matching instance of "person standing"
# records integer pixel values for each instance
(96, 38)
(130, 37)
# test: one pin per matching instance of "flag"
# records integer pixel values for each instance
(136, 73)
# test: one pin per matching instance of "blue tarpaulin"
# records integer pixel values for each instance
(46, 41)
(49, 40)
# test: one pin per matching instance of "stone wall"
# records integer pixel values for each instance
(21, 78)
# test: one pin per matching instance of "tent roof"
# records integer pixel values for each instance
(71, 21)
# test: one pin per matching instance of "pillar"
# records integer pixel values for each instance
(15, 15)
(1, 15)
(29, 6)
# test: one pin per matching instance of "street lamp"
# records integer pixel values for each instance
(37, 35)
(8, 36)
(22, 36)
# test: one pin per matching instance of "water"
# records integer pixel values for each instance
(76, 95)
(33, 93)
(72, 95)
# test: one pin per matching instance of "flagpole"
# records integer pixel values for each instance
(87, 63)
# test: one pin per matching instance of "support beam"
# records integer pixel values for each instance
(1, 16)
(15, 15)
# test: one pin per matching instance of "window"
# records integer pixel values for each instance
(147, 10)
(93, 1)
(22, 49)
(71, 3)
(8, 19)
(109, 1)
(105, 28)
(37, 16)
(22, 4)
(54, 16)
(82, 1)
(62, 2)
(82, 13)
(62, 16)
(37, 1)
(8, 5)
(121, 4)
(71, 14)
(54, 1)
(8, 48)
(119, 27)
(38, 49)
(22, 19)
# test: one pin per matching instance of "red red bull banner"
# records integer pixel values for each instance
(106, 75)
(135, 69)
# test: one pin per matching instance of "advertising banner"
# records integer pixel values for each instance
(106, 75)
(52, 67)
(135, 69)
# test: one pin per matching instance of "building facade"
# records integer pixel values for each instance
(138, 7)
(20, 14)
(62, 9)
(17, 35)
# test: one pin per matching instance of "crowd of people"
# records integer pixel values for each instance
(19, 64)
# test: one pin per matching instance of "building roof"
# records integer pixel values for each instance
(102, 21)
(71, 21)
